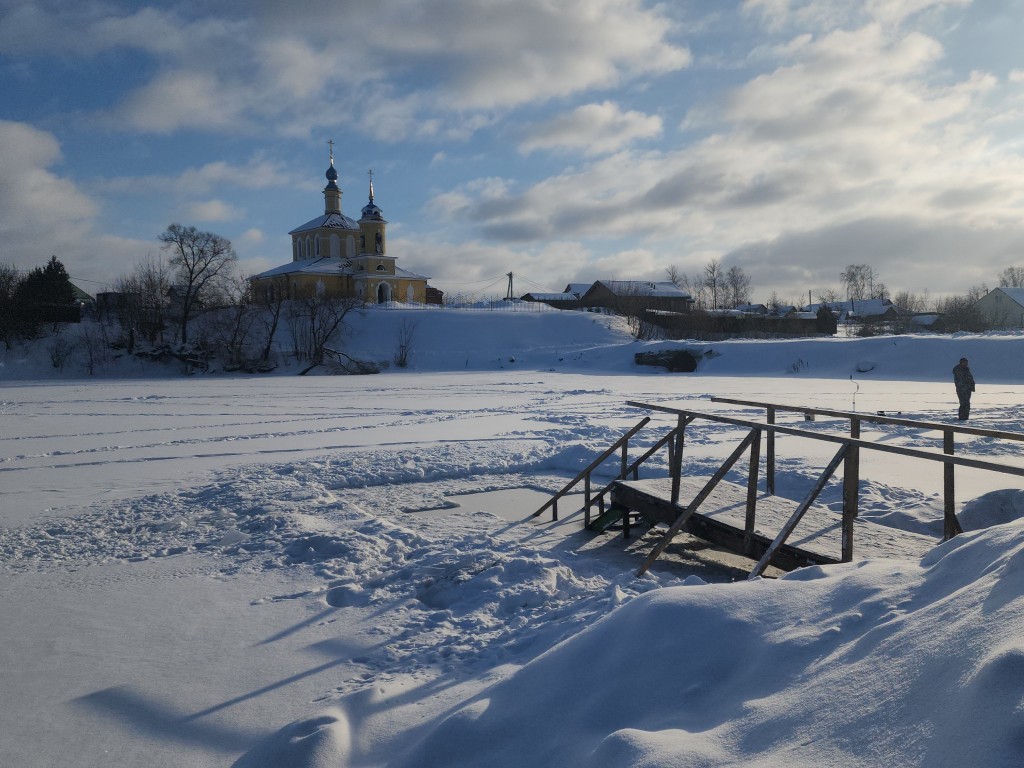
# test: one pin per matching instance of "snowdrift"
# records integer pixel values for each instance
(808, 670)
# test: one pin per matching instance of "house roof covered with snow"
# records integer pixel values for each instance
(642, 288)
(578, 288)
(858, 307)
(1017, 294)
(330, 221)
(321, 266)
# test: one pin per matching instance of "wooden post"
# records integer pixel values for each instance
(851, 493)
(769, 470)
(625, 460)
(755, 462)
(855, 451)
(950, 526)
(554, 509)
(586, 497)
(697, 501)
(801, 509)
(676, 469)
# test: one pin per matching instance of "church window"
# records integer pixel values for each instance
(381, 268)
(335, 247)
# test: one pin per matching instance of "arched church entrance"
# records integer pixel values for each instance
(383, 293)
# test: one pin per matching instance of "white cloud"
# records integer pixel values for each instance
(251, 237)
(44, 214)
(423, 69)
(853, 126)
(212, 210)
(40, 212)
(594, 129)
(257, 173)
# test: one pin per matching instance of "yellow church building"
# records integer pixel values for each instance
(336, 257)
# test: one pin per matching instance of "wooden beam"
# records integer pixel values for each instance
(770, 455)
(692, 507)
(787, 529)
(950, 525)
(676, 465)
(752, 475)
(878, 419)
(591, 467)
(851, 492)
(917, 453)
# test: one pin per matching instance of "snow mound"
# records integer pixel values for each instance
(319, 742)
(739, 674)
(993, 508)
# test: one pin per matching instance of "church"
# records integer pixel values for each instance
(336, 257)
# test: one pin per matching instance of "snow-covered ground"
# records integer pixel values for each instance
(336, 571)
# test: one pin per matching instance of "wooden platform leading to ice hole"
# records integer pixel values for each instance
(816, 540)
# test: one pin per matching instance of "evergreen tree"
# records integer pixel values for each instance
(49, 285)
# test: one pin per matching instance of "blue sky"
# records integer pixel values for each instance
(563, 141)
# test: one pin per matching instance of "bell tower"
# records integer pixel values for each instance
(372, 227)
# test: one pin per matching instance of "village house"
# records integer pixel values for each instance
(1002, 307)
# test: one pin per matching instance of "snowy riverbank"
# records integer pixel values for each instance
(192, 564)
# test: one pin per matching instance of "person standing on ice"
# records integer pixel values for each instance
(963, 380)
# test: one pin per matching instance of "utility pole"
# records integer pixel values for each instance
(508, 296)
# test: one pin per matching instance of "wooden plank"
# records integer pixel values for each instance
(878, 419)
(752, 474)
(816, 539)
(801, 510)
(697, 501)
(613, 515)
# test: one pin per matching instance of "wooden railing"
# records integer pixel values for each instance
(950, 525)
(848, 455)
(626, 469)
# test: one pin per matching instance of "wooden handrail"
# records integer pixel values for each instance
(553, 501)
(878, 419)
(902, 451)
(631, 468)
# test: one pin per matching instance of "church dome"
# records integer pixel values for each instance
(371, 211)
(332, 175)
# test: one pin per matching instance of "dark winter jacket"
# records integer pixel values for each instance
(963, 379)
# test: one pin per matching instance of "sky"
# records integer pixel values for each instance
(562, 141)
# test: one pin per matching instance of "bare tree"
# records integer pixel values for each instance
(674, 276)
(861, 282)
(829, 296)
(406, 338)
(634, 304)
(142, 309)
(233, 323)
(714, 280)
(271, 317)
(202, 260)
(314, 321)
(737, 287)
(697, 290)
(1012, 277)
(911, 302)
(960, 313)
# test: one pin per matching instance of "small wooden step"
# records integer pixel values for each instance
(603, 522)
